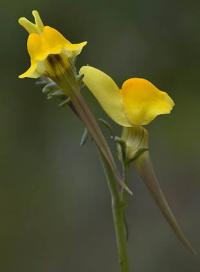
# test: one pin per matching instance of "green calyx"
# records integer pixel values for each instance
(132, 144)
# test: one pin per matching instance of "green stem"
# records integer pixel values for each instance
(118, 217)
(72, 88)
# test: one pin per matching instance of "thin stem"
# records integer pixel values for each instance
(111, 171)
(118, 217)
(124, 196)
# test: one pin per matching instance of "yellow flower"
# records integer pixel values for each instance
(43, 43)
(138, 102)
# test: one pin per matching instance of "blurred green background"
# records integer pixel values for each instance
(54, 202)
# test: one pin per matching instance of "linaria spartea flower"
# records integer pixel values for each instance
(44, 42)
(137, 102)
(132, 106)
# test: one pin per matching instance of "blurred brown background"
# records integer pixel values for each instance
(54, 202)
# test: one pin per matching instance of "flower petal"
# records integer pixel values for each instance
(38, 20)
(50, 41)
(75, 48)
(31, 72)
(106, 92)
(143, 101)
(55, 42)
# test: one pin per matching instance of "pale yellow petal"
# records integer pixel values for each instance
(143, 101)
(31, 27)
(27, 25)
(106, 92)
(38, 20)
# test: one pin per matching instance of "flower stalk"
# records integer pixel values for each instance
(118, 207)
(118, 195)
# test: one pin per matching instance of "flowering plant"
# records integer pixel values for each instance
(134, 105)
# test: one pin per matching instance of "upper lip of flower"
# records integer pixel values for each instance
(44, 41)
(138, 102)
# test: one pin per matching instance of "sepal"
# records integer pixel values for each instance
(135, 142)
(49, 87)
(64, 102)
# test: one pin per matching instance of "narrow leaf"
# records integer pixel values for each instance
(64, 102)
(108, 126)
(84, 137)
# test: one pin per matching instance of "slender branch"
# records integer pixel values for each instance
(118, 217)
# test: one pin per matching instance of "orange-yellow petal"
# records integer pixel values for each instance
(143, 101)
(50, 41)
